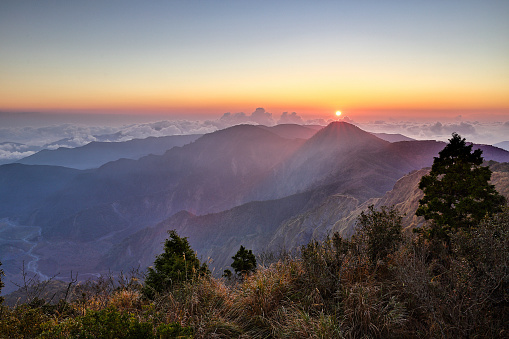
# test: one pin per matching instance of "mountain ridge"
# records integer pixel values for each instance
(319, 183)
(97, 153)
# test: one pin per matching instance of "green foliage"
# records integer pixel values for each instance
(227, 274)
(323, 262)
(379, 232)
(173, 330)
(177, 264)
(244, 261)
(22, 322)
(457, 193)
(105, 323)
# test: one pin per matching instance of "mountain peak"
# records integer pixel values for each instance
(345, 135)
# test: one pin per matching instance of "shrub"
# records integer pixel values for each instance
(105, 323)
(173, 330)
(379, 232)
(22, 322)
(323, 264)
(463, 291)
(369, 313)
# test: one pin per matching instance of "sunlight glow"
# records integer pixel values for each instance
(338, 113)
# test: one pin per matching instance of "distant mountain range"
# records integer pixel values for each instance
(262, 187)
(503, 145)
(392, 137)
(96, 153)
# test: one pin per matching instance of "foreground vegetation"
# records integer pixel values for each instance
(448, 280)
(336, 288)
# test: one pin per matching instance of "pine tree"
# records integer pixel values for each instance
(457, 193)
(244, 261)
(177, 264)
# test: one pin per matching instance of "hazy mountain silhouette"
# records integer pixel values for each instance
(23, 188)
(96, 154)
(357, 162)
(217, 235)
(276, 224)
(504, 145)
(212, 174)
(241, 185)
(390, 137)
(293, 131)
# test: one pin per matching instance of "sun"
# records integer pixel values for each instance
(338, 113)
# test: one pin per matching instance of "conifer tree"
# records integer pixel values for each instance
(244, 261)
(457, 193)
(177, 264)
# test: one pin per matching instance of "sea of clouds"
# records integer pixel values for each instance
(18, 140)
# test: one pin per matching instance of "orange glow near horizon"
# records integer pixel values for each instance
(191, 58)
(316, 96)
(223, 100)
(306, 94)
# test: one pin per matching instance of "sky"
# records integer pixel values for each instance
(369, 59)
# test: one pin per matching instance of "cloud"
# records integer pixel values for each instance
(258, 117)
(160, 129)
(347, 119)
(11, 151)
(17, 141)
(40, 136)
(480, 132)
(436, 128)
(10, 156)
(463, 128)
(291, 118)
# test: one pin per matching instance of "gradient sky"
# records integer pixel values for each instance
(312, 57)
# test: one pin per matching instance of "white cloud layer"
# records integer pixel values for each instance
(474, 131)
(18, 141)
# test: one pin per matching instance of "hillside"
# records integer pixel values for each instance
(277, 224)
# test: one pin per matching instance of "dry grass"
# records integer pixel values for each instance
(333, 290)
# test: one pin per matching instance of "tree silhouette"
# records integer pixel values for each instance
(457, 193)
(177, 264)
(244, 261)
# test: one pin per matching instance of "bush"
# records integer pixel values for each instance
(323, 263)
(106, 323)
(173, 330)
(22, 322)
(379, 232)
(462, 292)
